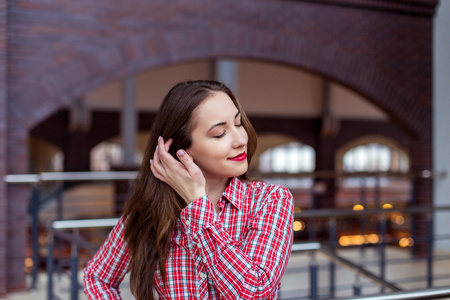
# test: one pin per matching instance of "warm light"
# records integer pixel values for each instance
(357, 240)
(299, 225)
(28, 262)
(344, 241)
(28, 265)
(297, 209)
(399, 220)
(406, 242)
(358, 207)
(372, 238)
(403, 242)
(387, 206)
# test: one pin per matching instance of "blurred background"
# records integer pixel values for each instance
(349, 100)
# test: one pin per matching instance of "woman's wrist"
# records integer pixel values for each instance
(196, 195)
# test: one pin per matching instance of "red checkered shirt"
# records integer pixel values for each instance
(239, 253)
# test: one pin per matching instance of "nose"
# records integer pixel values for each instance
(240, 137)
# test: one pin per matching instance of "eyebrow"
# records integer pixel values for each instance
(223, 123)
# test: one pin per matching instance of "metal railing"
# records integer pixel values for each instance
(335, 258)
(381, 215)
(58, 228)
(424, 294)
(36, 179)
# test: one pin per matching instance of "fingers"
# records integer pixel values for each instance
(184, 176)
(186, 160)
(154, 170)
(164, 164)
(156, 165)
(162, 152)
(163, 144)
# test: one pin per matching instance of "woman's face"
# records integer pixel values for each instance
(219, 141)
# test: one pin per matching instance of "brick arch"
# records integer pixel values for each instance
(84, 73)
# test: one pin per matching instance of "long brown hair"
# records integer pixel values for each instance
(153, 207)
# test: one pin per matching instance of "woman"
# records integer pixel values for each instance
(195, 227)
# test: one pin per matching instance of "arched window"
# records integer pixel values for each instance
(109, 153)
(105, 155)
(292, 157)
(374, 156)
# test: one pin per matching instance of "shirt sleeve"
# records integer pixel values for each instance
(106, 270)
(254, 269)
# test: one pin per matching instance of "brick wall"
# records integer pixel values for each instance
(16, 206)
(81, 44)
(3, 134)
(59, 50)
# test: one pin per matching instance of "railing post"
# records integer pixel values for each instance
(59, 202)
(312, 223)
(34, 210)
(59, 243)
(377, 191)
(313, 277)
(382, 249)
(357, 286)
(430, 248)
(74, 268)
(50, 266)
(363, 221)
(333, 232)
(413, 202)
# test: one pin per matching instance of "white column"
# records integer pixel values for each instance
(128, 122)
(441, 120)
(226, 71)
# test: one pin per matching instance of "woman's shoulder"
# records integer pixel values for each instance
(263, 189)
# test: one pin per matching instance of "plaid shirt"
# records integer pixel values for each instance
(239, 253)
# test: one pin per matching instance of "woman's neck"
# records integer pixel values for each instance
(215, 189)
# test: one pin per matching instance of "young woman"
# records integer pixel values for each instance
(195, 227)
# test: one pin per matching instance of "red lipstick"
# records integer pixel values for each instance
(239, 157)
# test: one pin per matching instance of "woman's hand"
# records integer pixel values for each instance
(185, 178)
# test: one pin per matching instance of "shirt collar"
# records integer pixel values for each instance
(235, 192)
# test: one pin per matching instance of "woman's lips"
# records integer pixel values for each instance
(239, 157)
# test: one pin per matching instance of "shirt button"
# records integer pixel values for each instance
(199, 245)
(188, 223)
(202, 275)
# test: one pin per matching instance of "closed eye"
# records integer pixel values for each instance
(220, 135)
(236, 117)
